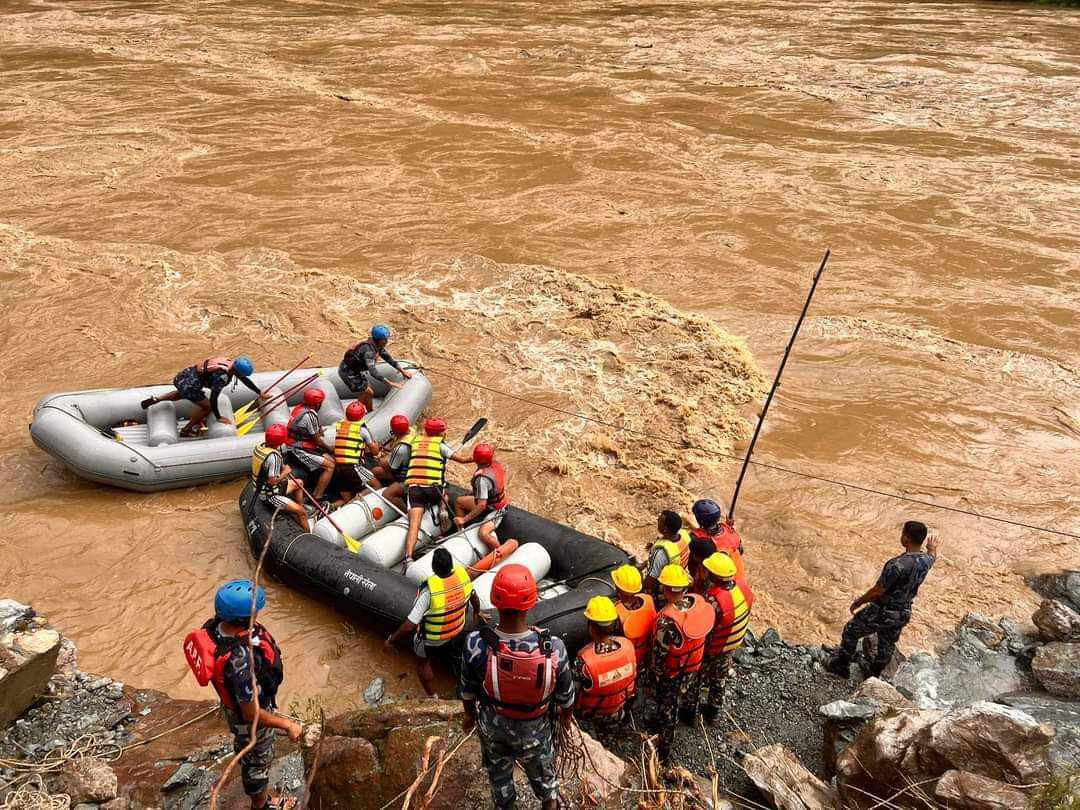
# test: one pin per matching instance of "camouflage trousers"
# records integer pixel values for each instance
(530, 743)
(675, 696)
(714, 677)
(255, 765)
(873, 620)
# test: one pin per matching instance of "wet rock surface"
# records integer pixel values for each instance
(1057, 668)
(1057, 621)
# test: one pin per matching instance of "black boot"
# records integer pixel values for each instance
(146, 403)
(710, 713)
(839, 665)
(688, 715)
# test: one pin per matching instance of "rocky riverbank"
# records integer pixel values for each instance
(989, 721)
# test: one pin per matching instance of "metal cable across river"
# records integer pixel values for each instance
(611, 210)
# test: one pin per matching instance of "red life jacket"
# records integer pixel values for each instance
(732, 608)
(609, 679)
(293, 438)
(728, 541)
(694, 625)
(520, 685)
(208, 652)
(496, 474)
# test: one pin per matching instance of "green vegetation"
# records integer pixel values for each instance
(1062, 792)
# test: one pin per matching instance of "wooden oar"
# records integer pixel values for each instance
(351, 543)
(241, 414)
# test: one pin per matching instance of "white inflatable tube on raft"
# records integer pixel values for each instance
(358, 519)
(532, 555)
(465, 547)
(386, 546)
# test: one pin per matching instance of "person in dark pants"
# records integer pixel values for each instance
(888, 603)
(358, 365)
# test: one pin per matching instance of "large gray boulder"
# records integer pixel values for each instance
(960, 790)
(990, 740)
(1057, 669)
(1061, 585)
(884, 754)
(1057, 621)
(779, 775)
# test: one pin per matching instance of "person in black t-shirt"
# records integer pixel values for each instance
(888, 603)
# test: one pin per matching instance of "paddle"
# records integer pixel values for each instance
(241, 414)
(351, 543)
(478, 425)
(244, 429)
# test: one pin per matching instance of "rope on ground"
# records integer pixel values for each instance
(32, 795)
(682, 442)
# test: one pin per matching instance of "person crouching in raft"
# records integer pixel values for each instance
(425, 480)
(391, 471)
(218, 654)
(272, 477)
(213, 373)
(438, 616)
(605, 672)
(355, 453)
(488, 499)
(731, 600)
(307, 447)
(515, 681)
(358, 365)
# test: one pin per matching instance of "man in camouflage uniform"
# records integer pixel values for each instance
(678, 650)
(888, 603)
(514, 704)
(731, 600)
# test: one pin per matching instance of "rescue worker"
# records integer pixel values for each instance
(439, 615)
(637, 613)
(712, 526)
(888, 603)
(605, 672)
(391, 472)
(511, 676)
(731, 600)
(354, 448)
(358, 365)
(673, 548)
(213, 373)
(678, 650)
(488, 499)
(272, 477)
(425, 478)
(700, 550)
(218, 654)
(307, 446)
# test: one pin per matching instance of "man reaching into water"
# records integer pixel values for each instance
(888, 603)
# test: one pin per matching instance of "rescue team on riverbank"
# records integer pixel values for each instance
(670, 632)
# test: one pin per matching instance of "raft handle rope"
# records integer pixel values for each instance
(682, 442)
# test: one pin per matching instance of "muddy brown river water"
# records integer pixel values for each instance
(559, 200)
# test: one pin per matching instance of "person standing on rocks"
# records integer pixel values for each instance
(715, 529)
(888, 603)
(516, 683)
(219, 655)
(731, 600)
(673, 548)
(605, 671)
(678, 651)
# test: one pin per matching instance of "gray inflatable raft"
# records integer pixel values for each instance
(105, 436)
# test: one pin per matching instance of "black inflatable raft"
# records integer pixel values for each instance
(363, 591)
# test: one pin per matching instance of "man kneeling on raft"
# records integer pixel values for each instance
(213, 373)
(489, 497)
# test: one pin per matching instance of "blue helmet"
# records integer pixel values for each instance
(707, 513)
(380, 332)
(233, 600)
(243, 365)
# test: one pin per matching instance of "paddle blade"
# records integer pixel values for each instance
(480, 424)
(352, 544)
(245, 428)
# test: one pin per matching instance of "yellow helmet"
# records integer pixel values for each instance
(674, 576)
(720, 564)
(601, 610)
(627, 579)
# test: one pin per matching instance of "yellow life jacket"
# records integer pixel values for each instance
(349, 444)
(677, 551)
(445, 617)
(427, 467)
(258, 456)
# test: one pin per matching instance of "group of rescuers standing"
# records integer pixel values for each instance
(671, 628)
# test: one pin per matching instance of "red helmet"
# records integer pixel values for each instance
(276, 435)
(435, 426)
(514, 588)
(313, 397)
(355, 412)
(483, 454)
(399, 424)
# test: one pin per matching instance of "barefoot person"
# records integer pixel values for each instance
(888, 603)
(488, 497)
(213, 373)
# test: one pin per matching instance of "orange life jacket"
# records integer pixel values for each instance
(609, 679)
(694, 625)
(729, 542)
(496, 474)
(732, 609)
(292, 438)
(639, 626)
